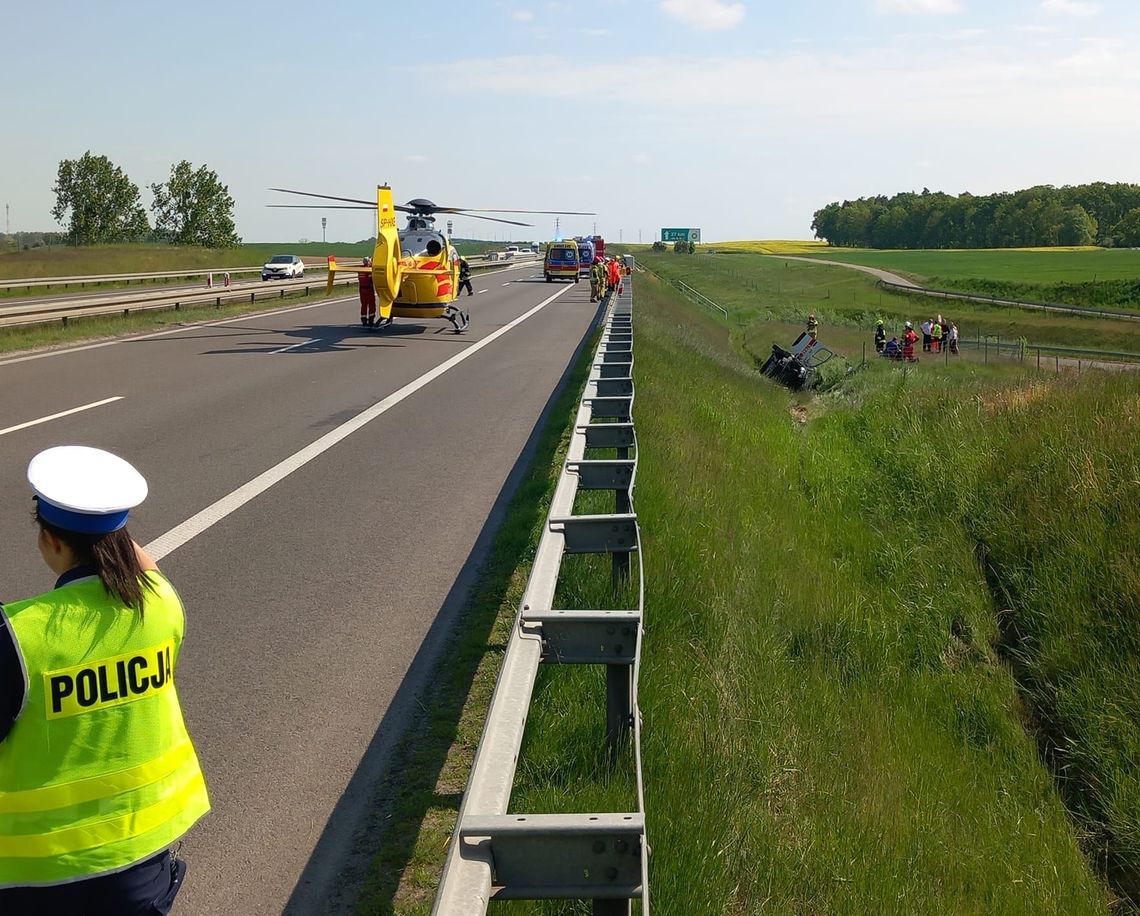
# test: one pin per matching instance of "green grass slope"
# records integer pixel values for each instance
(891, 660)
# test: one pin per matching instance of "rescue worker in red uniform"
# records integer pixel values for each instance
(909, 340)
(367, 296)
(614, 275)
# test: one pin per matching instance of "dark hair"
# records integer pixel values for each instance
(114, 558)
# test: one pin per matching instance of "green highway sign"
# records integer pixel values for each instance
(680, 235)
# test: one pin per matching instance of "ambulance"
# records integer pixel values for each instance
(561, 261)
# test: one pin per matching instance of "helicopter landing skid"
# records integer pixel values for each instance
(460, 319)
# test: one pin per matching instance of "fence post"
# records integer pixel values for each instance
(986, 349)
(1038, 359)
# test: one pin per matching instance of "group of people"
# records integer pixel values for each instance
(937, 334)
(605, 277)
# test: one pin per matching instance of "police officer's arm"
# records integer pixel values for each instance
(13, 685)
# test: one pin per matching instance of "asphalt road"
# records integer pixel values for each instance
(316, 606)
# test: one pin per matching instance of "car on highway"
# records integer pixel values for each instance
(283, 267)
(511, 252)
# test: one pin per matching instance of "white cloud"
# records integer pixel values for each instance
(522, 16)
(705, 15)
(944, 87)
(922, 7)
(1070, 7)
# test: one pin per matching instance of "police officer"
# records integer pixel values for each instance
(98, 776)
(465, 277)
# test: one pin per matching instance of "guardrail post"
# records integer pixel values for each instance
(619, 707)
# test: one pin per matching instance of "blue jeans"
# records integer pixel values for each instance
(145, 889)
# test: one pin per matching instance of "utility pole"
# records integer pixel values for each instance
(638, 236)
(7, 222)
(449, 228)
(595, 228)
(324, 222)
(619, 236)
(557, 229)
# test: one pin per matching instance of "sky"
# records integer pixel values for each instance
(737, 118)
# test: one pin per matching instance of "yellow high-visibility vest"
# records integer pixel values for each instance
(98, 772)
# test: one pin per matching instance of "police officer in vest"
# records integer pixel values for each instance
(98, 777)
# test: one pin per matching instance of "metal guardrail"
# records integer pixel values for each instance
(596, 856)
(63, 311)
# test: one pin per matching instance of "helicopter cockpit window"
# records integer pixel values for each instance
(421, 244)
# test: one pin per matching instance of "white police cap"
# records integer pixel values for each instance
(86, 490)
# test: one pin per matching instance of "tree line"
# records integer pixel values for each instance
(101, 205)
(1043, 216)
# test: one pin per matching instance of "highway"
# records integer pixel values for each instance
(321, 497)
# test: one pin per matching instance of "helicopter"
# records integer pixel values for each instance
(415, 270)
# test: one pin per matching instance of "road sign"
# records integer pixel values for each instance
(680, 235)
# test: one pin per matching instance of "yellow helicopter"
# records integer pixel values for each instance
(415, 270)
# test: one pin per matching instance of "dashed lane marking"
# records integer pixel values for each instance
(214, 513)
(296, 346)
(62, 413)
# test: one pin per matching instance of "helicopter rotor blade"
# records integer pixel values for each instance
(321, 206)
(347, 200)
(493, 219)
(489, 210)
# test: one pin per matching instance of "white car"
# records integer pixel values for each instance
(283, 267)
(511, 252)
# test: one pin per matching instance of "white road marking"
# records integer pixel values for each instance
(181, 534)
(506, 284)
(303, 343)
(62, 413)
(481, 291)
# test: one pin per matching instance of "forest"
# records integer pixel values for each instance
(1044, 216)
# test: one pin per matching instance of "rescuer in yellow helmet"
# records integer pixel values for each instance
(98, 776)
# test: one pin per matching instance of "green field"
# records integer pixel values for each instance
(1079, 276)
(760, 290)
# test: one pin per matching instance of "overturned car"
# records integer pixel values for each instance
(796, 367)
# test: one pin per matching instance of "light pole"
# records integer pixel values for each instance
(449, 228)
(324, 222)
